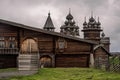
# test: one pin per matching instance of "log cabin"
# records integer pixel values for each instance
(29, 48)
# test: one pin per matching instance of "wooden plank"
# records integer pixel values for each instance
(72, 60)
(8, 61)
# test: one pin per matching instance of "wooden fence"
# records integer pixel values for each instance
(114, 63)
(111, 65)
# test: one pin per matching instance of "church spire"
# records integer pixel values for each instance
(69, 10)
(49, 13)
(49, 24)
(91, 13)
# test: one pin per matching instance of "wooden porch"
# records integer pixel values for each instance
(9, 51)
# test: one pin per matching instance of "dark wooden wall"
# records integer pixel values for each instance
(72, 60)
(8, 61)
(74, 47)
(75, 54)
(101, 53)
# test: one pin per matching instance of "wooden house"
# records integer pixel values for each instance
(52, 49)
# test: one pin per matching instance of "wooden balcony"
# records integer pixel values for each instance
(9, 51)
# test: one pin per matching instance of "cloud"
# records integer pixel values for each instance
(34, 13)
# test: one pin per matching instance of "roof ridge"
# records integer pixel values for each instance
(44, 31)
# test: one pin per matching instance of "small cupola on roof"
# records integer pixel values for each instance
(49, 24)
(92, 28)
(69, 27)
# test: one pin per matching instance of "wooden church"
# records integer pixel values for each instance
(29, 48)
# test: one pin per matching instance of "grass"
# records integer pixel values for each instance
(8, 70)
(69, 74)
(115, 61)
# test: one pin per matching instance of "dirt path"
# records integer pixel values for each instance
(16, 73)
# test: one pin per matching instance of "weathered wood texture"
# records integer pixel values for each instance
(101, 59)
(75, 60)
(45, 44)
(79, 51)
(8, 61)
(91, 34)
(101, 53)
(73, 46)
(75, 54)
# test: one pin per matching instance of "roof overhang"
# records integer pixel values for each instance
(46, 32)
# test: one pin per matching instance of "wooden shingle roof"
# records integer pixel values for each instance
(102, 47)
(49, 23)
(44, 31)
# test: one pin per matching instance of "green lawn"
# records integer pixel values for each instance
(69, 74)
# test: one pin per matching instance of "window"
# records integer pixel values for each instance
(12, 38)
(61, 43)
(2, 38)
(12, 42)
(2, 44)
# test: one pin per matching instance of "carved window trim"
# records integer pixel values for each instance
(61, 44)
(12, 42)
(2, 42)
(2, 38)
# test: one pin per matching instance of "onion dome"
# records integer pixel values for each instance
(91, 19)
(66, 22)
(72, 23)
(103, 34)
(77, 27)
(69, 27)
(85, 23)
(62, 27)
(95, 24)
(98, 23)
(89, 24)
(69, 17)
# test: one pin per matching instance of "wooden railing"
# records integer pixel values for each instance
(9, 51)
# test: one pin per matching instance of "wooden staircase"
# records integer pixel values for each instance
(28, 61)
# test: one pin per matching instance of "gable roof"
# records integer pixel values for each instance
(46, 32)
(101, 46)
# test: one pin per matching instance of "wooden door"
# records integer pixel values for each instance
(29, 45)
(45, 61)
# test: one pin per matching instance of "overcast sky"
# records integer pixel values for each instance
(35, 12)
